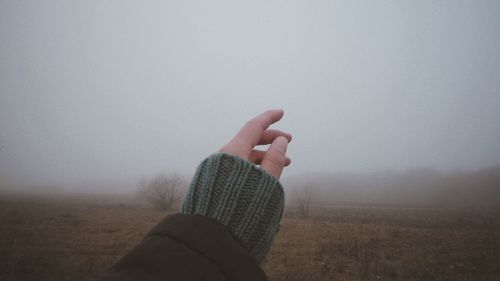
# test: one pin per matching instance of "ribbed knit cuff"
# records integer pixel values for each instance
(240, 195)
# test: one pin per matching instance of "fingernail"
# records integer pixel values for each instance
(281, 142)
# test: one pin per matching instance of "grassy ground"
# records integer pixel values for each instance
(79, 238)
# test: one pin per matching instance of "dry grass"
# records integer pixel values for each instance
(388, 244)
(78, 239)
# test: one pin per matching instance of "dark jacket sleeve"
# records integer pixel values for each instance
(189, 248)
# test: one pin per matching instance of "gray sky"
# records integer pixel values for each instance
(93, 90)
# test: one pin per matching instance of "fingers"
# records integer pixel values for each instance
(274, 159)
(269, 135)
(256, 132)
(257, 155)
(252, 131)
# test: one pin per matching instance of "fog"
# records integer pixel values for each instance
(418, 187)
(96, 93)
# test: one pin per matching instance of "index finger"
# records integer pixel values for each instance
(252, 132)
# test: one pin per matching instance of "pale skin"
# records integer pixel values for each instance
(255, 132)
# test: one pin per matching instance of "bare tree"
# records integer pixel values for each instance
(303, 197)
(163, 191)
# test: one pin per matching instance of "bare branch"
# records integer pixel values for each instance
(162, 191)
(303, 198)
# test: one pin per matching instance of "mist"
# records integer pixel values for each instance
(95, 95)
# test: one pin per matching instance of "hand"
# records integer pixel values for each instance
(254, 133)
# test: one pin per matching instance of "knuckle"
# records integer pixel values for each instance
(277, 159)
(263, 121)
(255, 122)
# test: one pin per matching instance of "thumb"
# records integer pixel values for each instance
(275, 158)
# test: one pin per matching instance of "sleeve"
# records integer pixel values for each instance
(228, 220)
(240, 195)
(189, 248)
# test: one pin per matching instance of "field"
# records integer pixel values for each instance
(78, 238)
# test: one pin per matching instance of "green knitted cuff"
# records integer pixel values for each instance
(240, 195)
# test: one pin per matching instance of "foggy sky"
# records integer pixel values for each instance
(94, 90)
